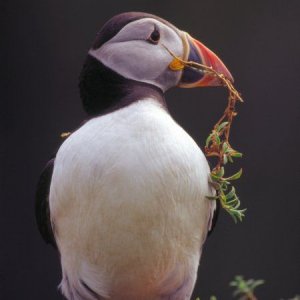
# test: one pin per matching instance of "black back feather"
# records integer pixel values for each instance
(42, 210)
(215, 218)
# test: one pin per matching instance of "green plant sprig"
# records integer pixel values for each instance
(217, 143)
(245, 288)
(228, 198)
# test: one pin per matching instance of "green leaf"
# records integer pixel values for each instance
(236, 154)
(222, 197)
(225, 147)
(221, 172)
(234, 203)
(214, 177)
(221, 126)
(235, 176)
(256, 283)
(225, 159)
(217, 138)
(225, 184)
(238, 215)
(213, 298)
(208, 139)
(236, 280)
(231, 193)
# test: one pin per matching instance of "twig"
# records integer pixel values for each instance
(217, 143)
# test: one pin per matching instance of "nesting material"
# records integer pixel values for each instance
(218, 144)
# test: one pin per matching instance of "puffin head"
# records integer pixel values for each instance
(130, 60)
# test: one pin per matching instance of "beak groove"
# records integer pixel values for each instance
(199, 53)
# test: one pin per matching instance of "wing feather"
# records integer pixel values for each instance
(42, 210)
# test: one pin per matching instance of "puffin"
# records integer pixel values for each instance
(124, 200)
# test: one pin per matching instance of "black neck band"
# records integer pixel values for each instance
(103, 90)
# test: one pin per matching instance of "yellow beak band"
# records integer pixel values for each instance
(177, 63)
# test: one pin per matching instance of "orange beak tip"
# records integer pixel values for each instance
(201, 54)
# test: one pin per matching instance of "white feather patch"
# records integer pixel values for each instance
(128, 200)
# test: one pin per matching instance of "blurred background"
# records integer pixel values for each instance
(43, 46)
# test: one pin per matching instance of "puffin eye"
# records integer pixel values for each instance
(154, 37)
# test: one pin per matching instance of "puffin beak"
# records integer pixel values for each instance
(195, 51)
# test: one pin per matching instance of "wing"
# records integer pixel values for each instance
(215, 216)
(42, 210)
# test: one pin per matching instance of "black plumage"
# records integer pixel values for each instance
(42, 210)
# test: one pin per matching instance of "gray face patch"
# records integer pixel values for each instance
(132, 56)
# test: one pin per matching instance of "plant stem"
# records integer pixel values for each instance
(217, 143)
(251, 296)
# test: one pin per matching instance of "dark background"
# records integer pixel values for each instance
(43, 45)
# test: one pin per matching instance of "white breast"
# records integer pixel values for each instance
(128, 201)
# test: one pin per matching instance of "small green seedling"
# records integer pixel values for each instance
(245, 288)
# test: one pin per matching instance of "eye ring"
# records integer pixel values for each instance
(154, 37)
